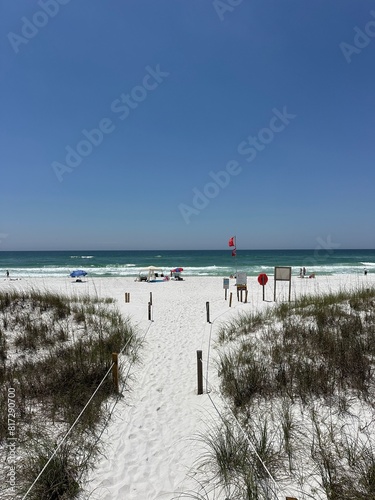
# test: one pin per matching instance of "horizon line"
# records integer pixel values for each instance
(178, 250)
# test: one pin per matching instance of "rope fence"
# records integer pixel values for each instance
(271, 488)
(88, 403)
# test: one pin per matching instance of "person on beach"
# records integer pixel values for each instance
(365, 271)
(7, 274)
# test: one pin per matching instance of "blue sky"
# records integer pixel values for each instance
(164, 124)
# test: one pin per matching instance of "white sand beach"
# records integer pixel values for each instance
(151, 444)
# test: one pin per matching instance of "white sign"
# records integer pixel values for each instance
(241, 279)
(283, 273)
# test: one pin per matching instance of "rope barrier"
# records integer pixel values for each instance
(210, 388)
(227, 406)
(210, 336)
(83, 410)
(244, 434)
(124, 382)
(67, 434)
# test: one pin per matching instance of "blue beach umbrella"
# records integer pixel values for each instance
(77, 273)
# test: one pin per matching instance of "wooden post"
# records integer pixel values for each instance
(230, 299)
(200, 372)
(241, 292)
(208, 312)
(291, 498)
(115, 370)
(151, 298)
(127, 297)
(263, 293)
(226, 293)
(149, 311)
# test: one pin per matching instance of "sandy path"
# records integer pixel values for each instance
(152, 448)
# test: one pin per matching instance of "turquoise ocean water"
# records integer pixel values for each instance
(194, 262)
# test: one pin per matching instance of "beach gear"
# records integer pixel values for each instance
(77, 273)
(152, 271)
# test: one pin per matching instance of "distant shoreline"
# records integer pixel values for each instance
(195, 263)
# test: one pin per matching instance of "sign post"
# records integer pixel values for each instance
(241, 284)
(226, 286)
(262, 280)
(282, 273)
(200, 372)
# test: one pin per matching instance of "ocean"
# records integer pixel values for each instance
(194, 262)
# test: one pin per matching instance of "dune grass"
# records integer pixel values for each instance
(300, 380)
(55, 350)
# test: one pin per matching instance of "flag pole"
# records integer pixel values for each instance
(233, 244)
(235, 255)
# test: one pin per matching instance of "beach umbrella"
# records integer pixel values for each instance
(177, 270)
(77, 273)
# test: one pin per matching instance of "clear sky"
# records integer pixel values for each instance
(175, 124)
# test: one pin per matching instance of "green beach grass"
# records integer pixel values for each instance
(299, 380)
(55, 351)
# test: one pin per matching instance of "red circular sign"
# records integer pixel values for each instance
(262, 279)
